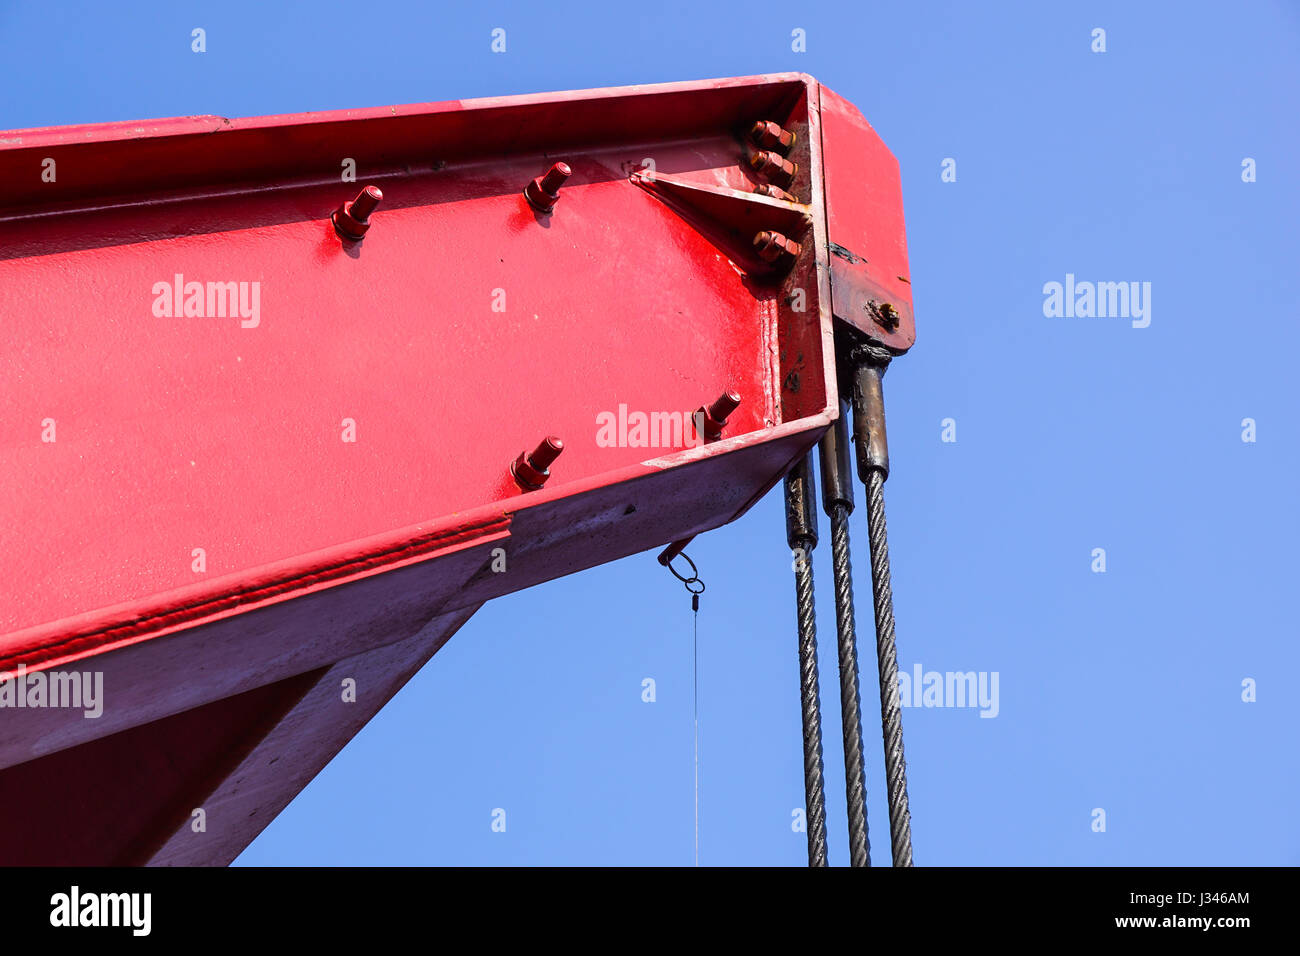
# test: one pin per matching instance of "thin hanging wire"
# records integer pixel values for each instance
(695, 692)
(695, 586)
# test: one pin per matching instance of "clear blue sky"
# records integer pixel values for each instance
(1121, 690)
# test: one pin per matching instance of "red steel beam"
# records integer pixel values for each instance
(222, 512)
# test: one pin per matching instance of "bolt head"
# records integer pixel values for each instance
(770, 135)
(775, 192)
(772, 166)
(543, 192)
(775, 248)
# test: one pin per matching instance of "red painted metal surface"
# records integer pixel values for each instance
(870, 281)
(470, 322)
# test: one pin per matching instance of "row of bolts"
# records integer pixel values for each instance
(352, 219)
(531, 470)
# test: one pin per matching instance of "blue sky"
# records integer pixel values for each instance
(1119, 690)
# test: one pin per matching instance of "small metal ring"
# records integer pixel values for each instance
(689, 581)
(695, 574)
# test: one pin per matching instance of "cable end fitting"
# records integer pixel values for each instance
(837, 472)
(869, 437)
(801, 505)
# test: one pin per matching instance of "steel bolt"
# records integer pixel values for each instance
(775, 192)
(352, 219)
(543, 192)
(710, 421)
(885, 314)
(770, 135)
(773, 166)
(776, 248)
(531, 471)
(365, 203)
(555, 177)
(544, 455)
(725, 404)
